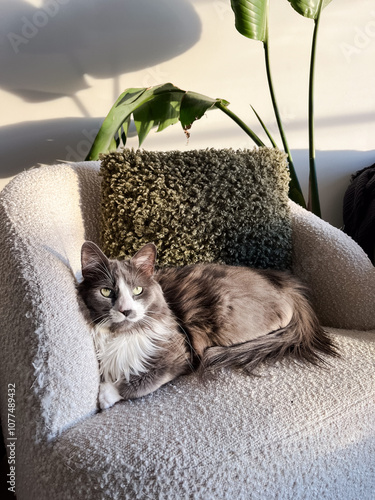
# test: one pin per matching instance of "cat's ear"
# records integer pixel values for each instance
(91, 257)
(145, 259)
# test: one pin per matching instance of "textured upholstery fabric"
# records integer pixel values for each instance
(212, 205)
(339, 274)
(293, 433)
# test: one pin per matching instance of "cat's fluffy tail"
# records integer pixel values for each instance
(303, 340)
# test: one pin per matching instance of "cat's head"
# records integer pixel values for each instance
(120, 294)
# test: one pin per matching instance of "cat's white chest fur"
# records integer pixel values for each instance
(126, 355)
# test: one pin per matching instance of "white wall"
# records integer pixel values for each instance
(64, 62)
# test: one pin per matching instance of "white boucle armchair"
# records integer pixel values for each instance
(293, 433)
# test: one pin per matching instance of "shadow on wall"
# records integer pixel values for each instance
(27, 144)
(47, 51)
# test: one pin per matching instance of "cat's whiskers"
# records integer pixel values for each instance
(98, 321)
(104, 323)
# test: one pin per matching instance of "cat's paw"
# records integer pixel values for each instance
(108, 395)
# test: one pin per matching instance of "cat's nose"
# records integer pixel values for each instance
(126, 312)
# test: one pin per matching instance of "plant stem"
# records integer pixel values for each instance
(242, 124)
(272, 141)
(295, 191)
(313, 202)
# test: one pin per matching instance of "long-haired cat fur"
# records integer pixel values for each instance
(153, 325)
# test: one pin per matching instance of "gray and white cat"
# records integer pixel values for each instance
(153, 325)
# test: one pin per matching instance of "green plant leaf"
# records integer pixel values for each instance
(124, 130)
(158, 106)
(126, 104)
(194, 106)
(251, 18)
(162, 111)
(308, 8)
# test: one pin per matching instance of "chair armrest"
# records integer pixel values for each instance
(46, 345)
(338, 272)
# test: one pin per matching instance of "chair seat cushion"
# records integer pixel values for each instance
(285, 434)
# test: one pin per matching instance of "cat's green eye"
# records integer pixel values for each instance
(137, 290)
(106, 292)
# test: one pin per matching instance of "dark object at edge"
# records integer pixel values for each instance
(359, 210)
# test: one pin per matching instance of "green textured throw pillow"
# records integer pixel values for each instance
(198, 206)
